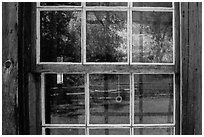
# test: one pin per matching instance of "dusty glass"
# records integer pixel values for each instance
(106, 4)
(60, 36)
(153, 102)
(64, 102)
(152, 37)
(60, 3)
(106, 36)
(109, 98)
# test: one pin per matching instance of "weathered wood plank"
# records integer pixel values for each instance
(34, 103)
(198, 72)
(191, 69)
(185, 45)
(54, 68)
(9, 69)
(194, 68)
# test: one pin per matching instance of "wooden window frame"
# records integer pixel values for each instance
(106, 68)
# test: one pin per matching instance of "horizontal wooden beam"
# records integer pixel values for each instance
(62, 68)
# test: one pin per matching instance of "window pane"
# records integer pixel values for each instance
(60, 36)
(153, 131)
(65, 131)
(152, 37)
(109, 99)
(106, 4)
(64, 102)
(152, 4)
(153, 98)
(106, 36)
(116, 131)
(60, 3)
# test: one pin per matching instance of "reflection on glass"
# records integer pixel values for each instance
(113, 131)
(60, 36)
(152, 37)
(109, 98)
(60, 3)
(106, 36)
(64, 131)
(152, 4)
(64, 102)
(153, 98)
(106, 4)
(153, 131)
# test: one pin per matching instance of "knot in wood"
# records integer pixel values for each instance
(7, 64)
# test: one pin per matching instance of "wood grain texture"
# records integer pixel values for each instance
(9, 70)
(54, 68)
(191, 68)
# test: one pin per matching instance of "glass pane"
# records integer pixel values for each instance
(152, 4)
(106, 4)
(64, 102)
(153, 131)
(60, 3)
(64, 131)
(116, 131)
(152, 37)
(109, 99)
(153, 98)
(106, 36)
(60, 36)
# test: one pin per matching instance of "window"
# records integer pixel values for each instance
(108, 67)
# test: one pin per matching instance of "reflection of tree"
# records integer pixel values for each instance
(156, 30)
(60, 35)
(106, 40)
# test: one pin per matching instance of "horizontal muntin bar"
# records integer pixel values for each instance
(153, 125)
(107, 125)
(99, 8)
(60, 8)
(159, 9)
(106, 63)
(103, 63)
(63, 125)
(59, 63)
(105, 8)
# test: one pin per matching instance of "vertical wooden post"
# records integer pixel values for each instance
(191, 68)
(9, 68)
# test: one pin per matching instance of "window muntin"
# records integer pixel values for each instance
(106, 4)
(60, 3)
(132, 126)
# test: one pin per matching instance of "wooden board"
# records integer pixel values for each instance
(9, 69)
